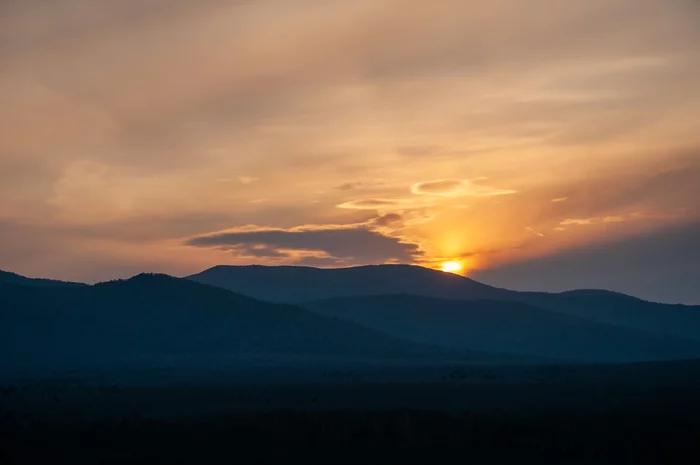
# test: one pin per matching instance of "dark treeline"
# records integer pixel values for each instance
(614, 437)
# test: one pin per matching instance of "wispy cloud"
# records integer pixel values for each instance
(374, 204)
(458, 188)
(348, 186)
(578, 221)
(534, 231)
(626, 217)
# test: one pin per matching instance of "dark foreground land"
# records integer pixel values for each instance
(354, 437)
(637, 414)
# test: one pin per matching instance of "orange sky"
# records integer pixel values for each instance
(170, 136)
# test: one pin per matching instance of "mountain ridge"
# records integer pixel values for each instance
(157, 316)
(305, 284)
(496, 325)
(372, 279)
(10, 277)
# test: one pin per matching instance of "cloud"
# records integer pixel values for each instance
(350, 244)
(260, 251)
(457, 188)
(373, 204)
(659, 265)
(443, 187)
(626, 217)
(388, 219)
(321, 262)
(578, 221)
(613, 219)
(534, 231)
(247, 179)
(560, 199)
(348, 186)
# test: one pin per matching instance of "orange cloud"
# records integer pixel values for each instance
(458, 188)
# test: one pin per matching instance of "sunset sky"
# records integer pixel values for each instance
(542, 144)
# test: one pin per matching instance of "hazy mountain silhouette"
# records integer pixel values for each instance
(14, 278)
(505, 327)
(150, 317)
(301, 284)
(298, 284)
(620, 309)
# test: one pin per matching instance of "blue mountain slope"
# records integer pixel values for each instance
(505, 327)
(156, 317)
(14, 278)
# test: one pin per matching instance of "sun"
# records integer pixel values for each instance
(452, 267)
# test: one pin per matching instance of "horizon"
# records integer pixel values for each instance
(152, 273)
(530, 145)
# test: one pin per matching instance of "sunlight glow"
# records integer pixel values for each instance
(452, 267)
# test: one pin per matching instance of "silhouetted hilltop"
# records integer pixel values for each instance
(299, 284)
(597, 293)
(500, 326)
(153, 317)
(8, 277)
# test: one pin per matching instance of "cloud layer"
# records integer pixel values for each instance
(501, 131)
(332, 245)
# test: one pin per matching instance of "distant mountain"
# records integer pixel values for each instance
(620, 309)
(155, 318)
(505, 327)
(14, 278)
(299, 284)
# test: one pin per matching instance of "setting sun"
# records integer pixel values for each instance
(452, 267)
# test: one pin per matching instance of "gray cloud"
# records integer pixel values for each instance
(259, 251)
(388, 219)
(659, 265)
(353, 245)
(667, 187)
(321, 262)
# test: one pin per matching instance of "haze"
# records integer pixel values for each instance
(539, 145)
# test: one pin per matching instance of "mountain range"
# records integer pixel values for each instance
(150, 319)
(387, 312)
(303, 285)
(504, 326)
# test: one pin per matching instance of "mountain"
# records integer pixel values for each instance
(620, 309)
(500, 326)
(153, 318)
(299, 284)
(14, 278)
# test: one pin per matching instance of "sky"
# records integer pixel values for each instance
(543, 145)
